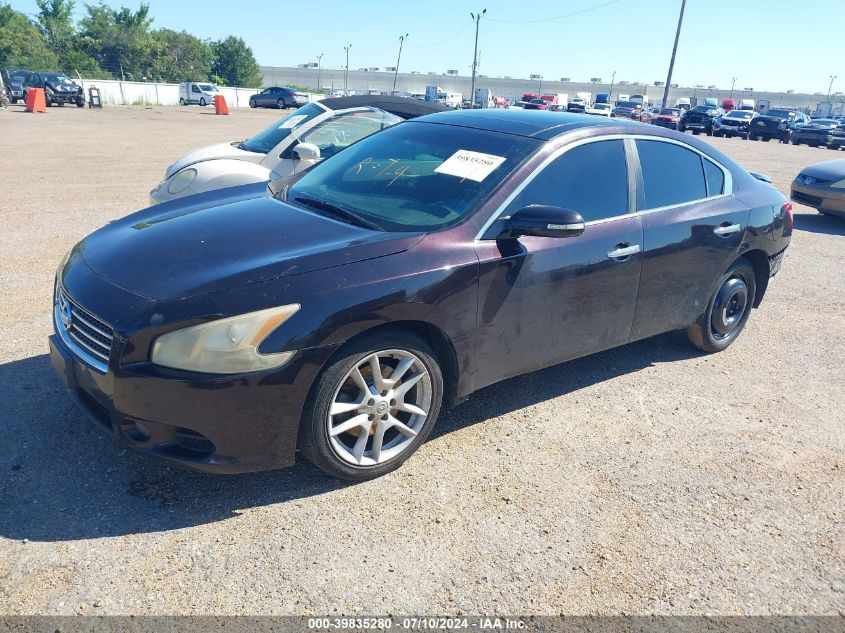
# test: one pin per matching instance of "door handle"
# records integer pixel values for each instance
(727, 229)
(624, 250)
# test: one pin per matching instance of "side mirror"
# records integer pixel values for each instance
(540, 220)
(306, 151)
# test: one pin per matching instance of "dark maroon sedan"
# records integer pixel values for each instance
(337, 312)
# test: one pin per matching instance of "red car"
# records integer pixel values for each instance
(668, 117)
(537, 104)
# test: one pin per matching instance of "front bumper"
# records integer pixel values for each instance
(819, 197)
(65, 97)
(210, 423)
(731, 130)
(667, 123)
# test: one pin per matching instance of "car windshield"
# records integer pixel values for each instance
(207, 88)
(537, 101)
(670, 112)
(415, 176)
(17, 75)
(271, 136)
(56, 78)
(627, 104)
(740, 114)
(781, 114)
(601, 106)
(824, 122)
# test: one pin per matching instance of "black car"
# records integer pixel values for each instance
(700, 119)
(280, 98)
(829, 133)
(734, 123)
(577, 107)
(776, 124)
(59, 89)
(14, 82)
(336, 312)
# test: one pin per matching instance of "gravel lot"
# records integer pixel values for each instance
(647, 479)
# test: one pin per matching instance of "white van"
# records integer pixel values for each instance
(199, 93)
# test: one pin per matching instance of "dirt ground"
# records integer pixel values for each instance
(647, 479)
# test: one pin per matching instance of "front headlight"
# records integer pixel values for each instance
(182, 180)
(224, 346)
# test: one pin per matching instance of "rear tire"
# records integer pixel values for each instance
(727, 310)
(181, 101)
(336, 387)
(280, 104)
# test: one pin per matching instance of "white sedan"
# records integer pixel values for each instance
(290, 145)
(599, 109)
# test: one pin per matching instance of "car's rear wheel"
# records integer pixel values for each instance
(727, 310)
(373, 406)
(280, 104)
(181, 101)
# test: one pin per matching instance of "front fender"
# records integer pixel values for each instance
(213, 175)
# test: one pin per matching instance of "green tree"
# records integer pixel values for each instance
(179, 56)
(21, 43)
(55, 20)
(235, 63)
(119, 40)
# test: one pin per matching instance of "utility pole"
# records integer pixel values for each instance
(477, 19)
(319, 66)
(398, 59)
(612, 80)
(733, 83)
(346, 71)
(540, 85)
(830, 87)
(674, 52)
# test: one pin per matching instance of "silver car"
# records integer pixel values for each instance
(822, 186)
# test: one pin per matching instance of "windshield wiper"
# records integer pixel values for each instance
(339, 212)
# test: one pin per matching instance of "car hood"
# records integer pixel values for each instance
(207, 243)
(828, 170)
(228, 151)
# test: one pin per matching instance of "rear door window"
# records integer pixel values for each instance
(671, 173)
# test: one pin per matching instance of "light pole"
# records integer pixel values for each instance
(539, 85)
(733, 83)
(398, 59)
(674, 52)
(830, 87)
(319, 66)
(346, 71)
(477, 19)
(612, 79)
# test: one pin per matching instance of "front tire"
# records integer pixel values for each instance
(252, 103)
(203, 102)
(727, 311)
(181, 101)
(360, 421)
(280, 104)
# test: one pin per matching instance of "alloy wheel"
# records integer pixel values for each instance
(379, 408)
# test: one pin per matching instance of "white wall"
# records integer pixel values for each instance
(115, 92)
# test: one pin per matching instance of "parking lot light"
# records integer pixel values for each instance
(674, 52)
(398, 59)
(477, 19)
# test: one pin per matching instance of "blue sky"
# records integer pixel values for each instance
(763, 44)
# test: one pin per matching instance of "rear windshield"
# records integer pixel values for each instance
(670, 111)
(271, 136)
(740, 114)
(415, 176)
(627, 104)
(783, 114)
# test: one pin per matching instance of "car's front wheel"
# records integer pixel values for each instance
(372, 406)
(252, 103)
(280, 104)
(728, 309)
(203, 102)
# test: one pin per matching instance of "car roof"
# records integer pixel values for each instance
(537, 124)
(400, 106)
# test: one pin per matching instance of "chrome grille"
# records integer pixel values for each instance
(89, 333)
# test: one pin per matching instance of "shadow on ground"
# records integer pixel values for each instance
(63, 479)
(818, 223)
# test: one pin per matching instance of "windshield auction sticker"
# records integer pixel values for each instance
(473, 165)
